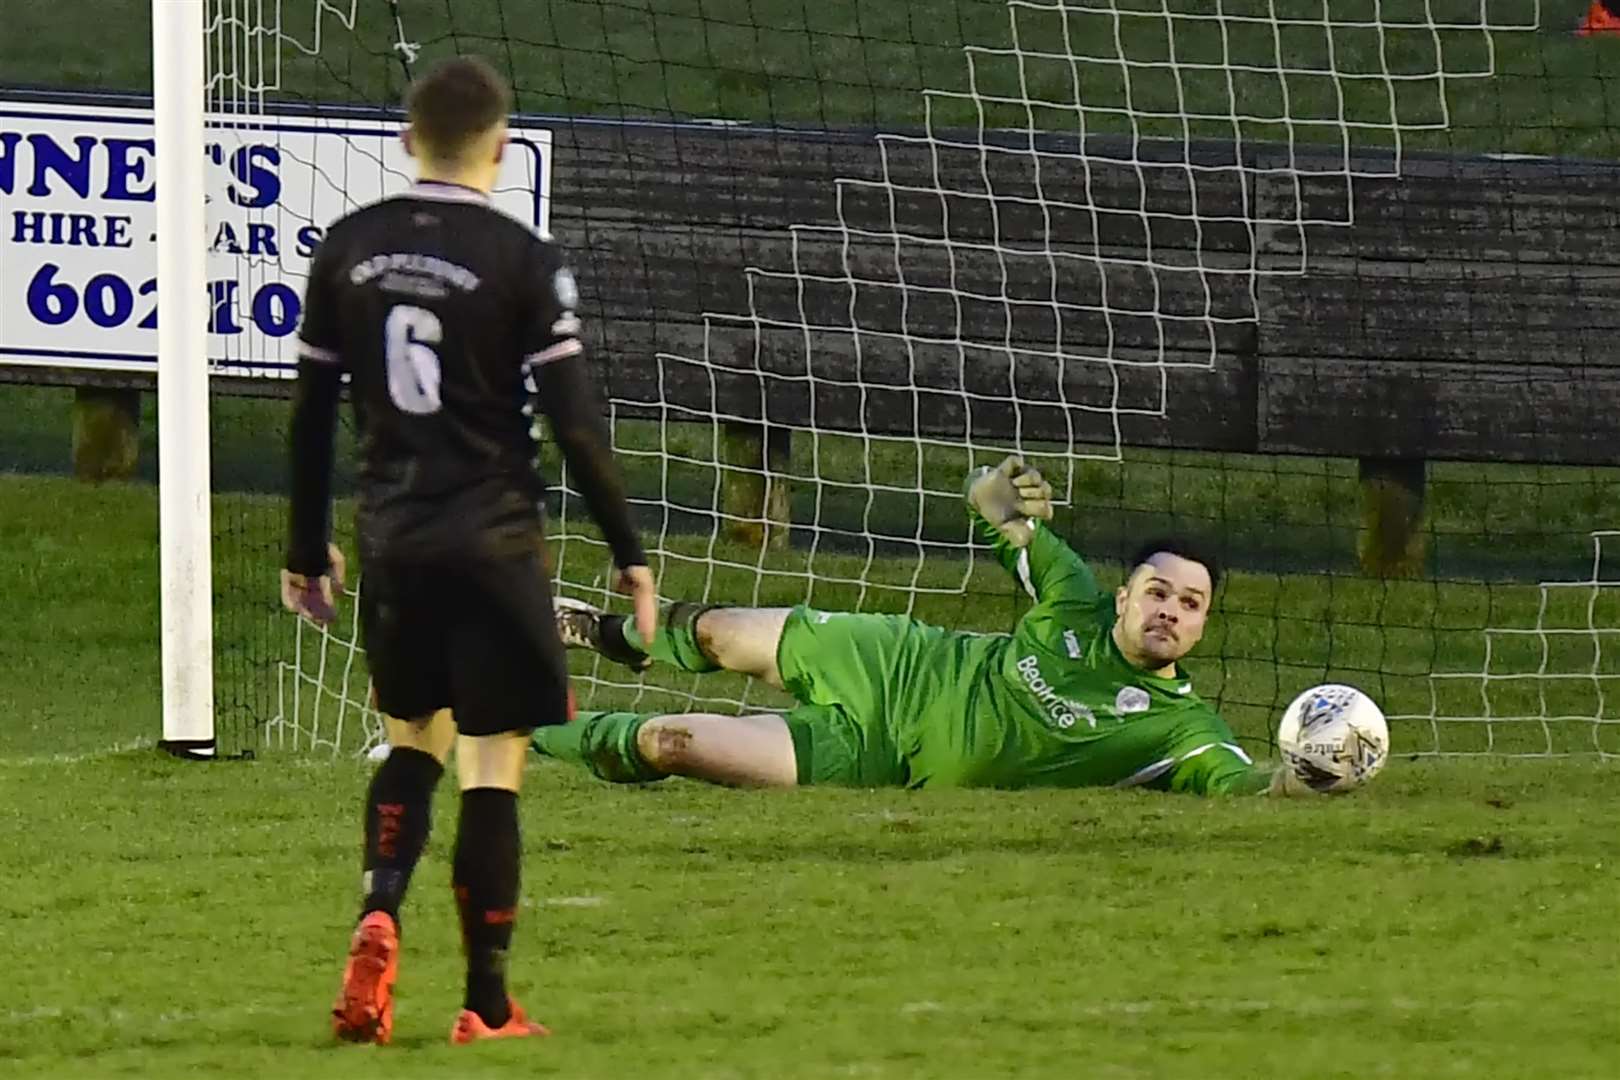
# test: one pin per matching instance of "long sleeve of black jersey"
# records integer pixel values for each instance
(311, 440)
(568, 398)
(312, 436)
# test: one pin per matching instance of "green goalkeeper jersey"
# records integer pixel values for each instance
(1055, 704)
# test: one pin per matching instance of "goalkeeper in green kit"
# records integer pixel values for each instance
(1086, 691)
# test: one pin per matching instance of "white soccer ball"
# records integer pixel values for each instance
(1333, 738)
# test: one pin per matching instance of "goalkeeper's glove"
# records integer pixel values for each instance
(1011, 496)
(1287, 783)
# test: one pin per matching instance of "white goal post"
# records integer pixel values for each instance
(184, 487)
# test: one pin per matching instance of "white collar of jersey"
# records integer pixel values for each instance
(441, 191)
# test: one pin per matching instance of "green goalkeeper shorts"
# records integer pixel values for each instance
(850, 675)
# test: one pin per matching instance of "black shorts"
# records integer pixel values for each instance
(477, 637)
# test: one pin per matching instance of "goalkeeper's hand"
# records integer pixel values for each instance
(1286, 783)
(1011, 496)
(312, 598)
(637, 582)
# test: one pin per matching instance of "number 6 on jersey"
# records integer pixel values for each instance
(413, 366)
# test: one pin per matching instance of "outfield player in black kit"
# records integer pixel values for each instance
(438, 306)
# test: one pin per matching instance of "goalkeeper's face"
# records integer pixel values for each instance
(1162, 610)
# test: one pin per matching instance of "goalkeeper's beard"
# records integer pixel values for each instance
(1162, 640)
(1148, 650)
(1161, 645)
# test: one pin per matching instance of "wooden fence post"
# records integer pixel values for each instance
(1392, 542)
(755, 493)
(106, 432)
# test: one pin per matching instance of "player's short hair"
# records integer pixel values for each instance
(1179, 546)
(454, 102)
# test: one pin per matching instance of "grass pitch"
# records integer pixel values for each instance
(163, 918)
(1452, 921)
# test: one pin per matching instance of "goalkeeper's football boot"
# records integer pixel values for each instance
(1599, 20)
(581, 626)
(364, 1010)
(470, 1027)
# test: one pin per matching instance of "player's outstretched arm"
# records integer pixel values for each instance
(1011, 504)
(1221, 768)
(569, 400)
(1277, 781)
(1224, 770)
(567, 397)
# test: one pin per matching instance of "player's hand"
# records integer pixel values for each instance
(338, 568)
(312, 598)
(1285, 783)
(1011, 496)
(637, 583)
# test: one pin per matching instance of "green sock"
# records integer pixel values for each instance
(675, 640)
(603, 742)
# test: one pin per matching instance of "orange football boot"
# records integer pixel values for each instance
(1599, 20)
(364, 1010)
(470, 1027)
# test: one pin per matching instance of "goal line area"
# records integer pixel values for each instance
(1310, 280)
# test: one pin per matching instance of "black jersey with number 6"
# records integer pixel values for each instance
(443, 310)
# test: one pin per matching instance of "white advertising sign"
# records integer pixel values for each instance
(77, 227)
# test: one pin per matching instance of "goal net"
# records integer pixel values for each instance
(831, 259)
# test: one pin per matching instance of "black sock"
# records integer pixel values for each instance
(399, 813)
(485, 878)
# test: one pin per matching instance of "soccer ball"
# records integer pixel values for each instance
(1333, 738)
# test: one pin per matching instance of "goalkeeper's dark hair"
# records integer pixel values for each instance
(1181, 546)
(454, 102)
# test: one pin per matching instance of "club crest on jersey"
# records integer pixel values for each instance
(1131, 699)
(562, 283)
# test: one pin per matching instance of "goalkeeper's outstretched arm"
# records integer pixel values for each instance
(1225, 771)
(1011, 505)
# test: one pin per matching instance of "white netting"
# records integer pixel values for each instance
(323, 691)
(287, 172)
(1548, 689)
(321, 699)
(1178, 150)
(1215, 145)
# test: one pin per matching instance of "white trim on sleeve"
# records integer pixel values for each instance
(1145, 775)
(559, 351)
(1159, 768)
(315, 353)
(1238, 750)
(1023, 573)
